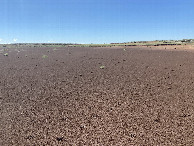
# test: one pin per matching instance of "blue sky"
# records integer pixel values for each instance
(95, 21)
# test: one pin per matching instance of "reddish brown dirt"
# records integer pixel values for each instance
(141, 97)
(186, 47)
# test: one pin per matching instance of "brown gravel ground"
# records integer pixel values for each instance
(141, 97)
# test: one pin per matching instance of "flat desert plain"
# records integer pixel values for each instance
(97, 96)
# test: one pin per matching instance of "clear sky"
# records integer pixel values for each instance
(95, 21)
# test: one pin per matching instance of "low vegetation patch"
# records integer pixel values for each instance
(102, 67)
(44, 56)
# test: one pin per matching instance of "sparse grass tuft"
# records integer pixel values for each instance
(6, 54)
(102, 67)
(44, 56)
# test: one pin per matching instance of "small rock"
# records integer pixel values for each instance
(29, 137)
(157, 120)
(59, 138)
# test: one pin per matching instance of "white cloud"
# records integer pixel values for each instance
(15, 40)
(0, 39)
(49, 41)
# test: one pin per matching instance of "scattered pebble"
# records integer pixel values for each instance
(59, 138)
